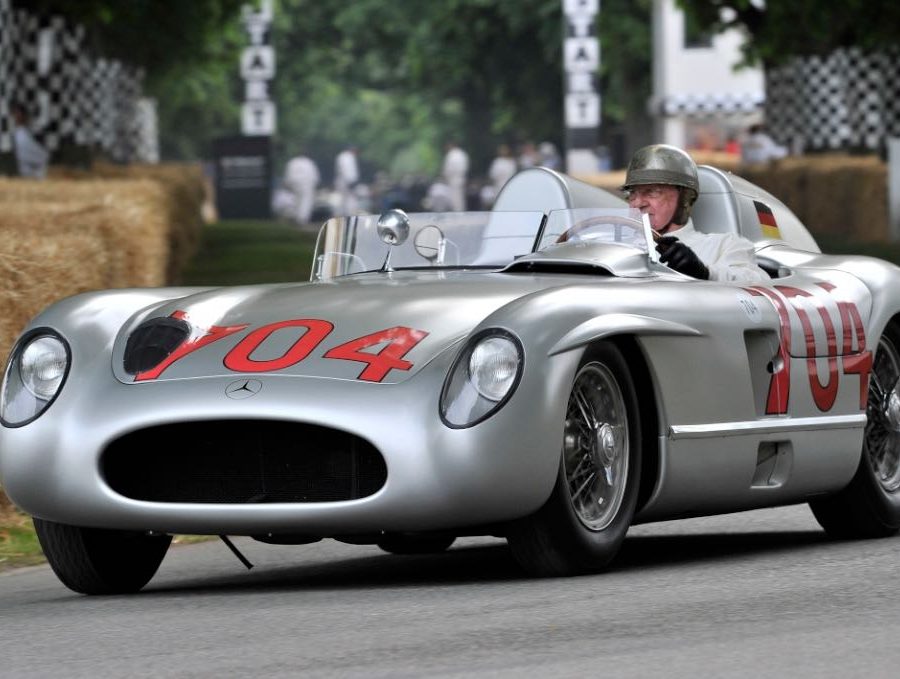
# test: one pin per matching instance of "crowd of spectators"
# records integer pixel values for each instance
(301, 198)
(456, 187)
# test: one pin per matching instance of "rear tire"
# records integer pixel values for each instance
(98, 561)
(581, 527)
(869, 507)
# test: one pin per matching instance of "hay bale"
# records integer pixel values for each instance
(611, 181)
(834, 194)
(787, 180)
(129, 215)
(60, 238)
(720, 159)
(39, 268)
(187, 191)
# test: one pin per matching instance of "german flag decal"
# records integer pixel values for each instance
(767, 220)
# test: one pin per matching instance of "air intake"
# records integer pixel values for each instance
(153, 342)
(243, 462)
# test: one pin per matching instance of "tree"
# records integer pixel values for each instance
(483, 71)
(479, 70)
(626, 66)
(155, 35)
(780, 30)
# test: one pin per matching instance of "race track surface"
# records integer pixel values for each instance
(758, 594)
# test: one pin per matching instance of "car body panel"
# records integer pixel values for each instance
(755, 392)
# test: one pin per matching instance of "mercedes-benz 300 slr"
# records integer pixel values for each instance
(532, 372)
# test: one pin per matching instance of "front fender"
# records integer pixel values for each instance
(105, 309)
(597, 328)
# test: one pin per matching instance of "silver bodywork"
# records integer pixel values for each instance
(751, 389)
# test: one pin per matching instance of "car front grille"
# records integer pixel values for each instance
(242, 461)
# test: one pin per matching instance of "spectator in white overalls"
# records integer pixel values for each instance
(454, 171)
(346, 177)
(301, 177)
(502, 168)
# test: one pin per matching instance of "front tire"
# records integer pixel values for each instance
(869, 507)
(581, 527)
(98, 561)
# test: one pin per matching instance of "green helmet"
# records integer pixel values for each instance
(665, 164)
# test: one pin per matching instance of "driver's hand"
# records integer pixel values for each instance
(680, 257)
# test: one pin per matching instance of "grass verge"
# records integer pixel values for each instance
(242, 252)
(18, 543)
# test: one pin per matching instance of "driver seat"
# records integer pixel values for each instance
(716, 209)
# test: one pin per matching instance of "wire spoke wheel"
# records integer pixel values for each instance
(583, 523)
(869, 506)
(883, 411)
(595, 446)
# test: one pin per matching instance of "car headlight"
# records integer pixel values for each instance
(482, 378)
(35, 373)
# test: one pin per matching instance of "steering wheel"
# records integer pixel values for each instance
(584, 224)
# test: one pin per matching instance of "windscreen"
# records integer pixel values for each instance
(453, 240)
(436, 240)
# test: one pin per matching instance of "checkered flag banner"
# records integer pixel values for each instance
(845, 100)
(71, 95)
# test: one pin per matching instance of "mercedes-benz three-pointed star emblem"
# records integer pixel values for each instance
(243, 389)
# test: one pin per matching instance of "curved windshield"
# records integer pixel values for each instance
(449, 240)
(436, 240)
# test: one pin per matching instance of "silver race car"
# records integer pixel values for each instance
(533, 372)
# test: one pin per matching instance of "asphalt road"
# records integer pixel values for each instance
(759, 594)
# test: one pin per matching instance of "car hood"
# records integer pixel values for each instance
(372, 327)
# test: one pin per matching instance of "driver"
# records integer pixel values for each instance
(662, 182)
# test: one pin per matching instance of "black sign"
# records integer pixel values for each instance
(243, 177)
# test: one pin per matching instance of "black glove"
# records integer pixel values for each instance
(680, 257)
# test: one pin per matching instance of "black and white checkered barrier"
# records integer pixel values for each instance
(847, 99)
(70, 94)
(700, 105)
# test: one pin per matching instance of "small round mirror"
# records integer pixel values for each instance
(393, 227)
(428, 242)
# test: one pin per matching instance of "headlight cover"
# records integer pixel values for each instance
(36, 371)
(483, 377)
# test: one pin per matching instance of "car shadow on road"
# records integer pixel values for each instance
(456, 566)
(649, 551)
(491, 563)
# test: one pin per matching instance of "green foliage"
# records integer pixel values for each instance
(626, 61)
(780, 30)
(401, 78)
(199, 101)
